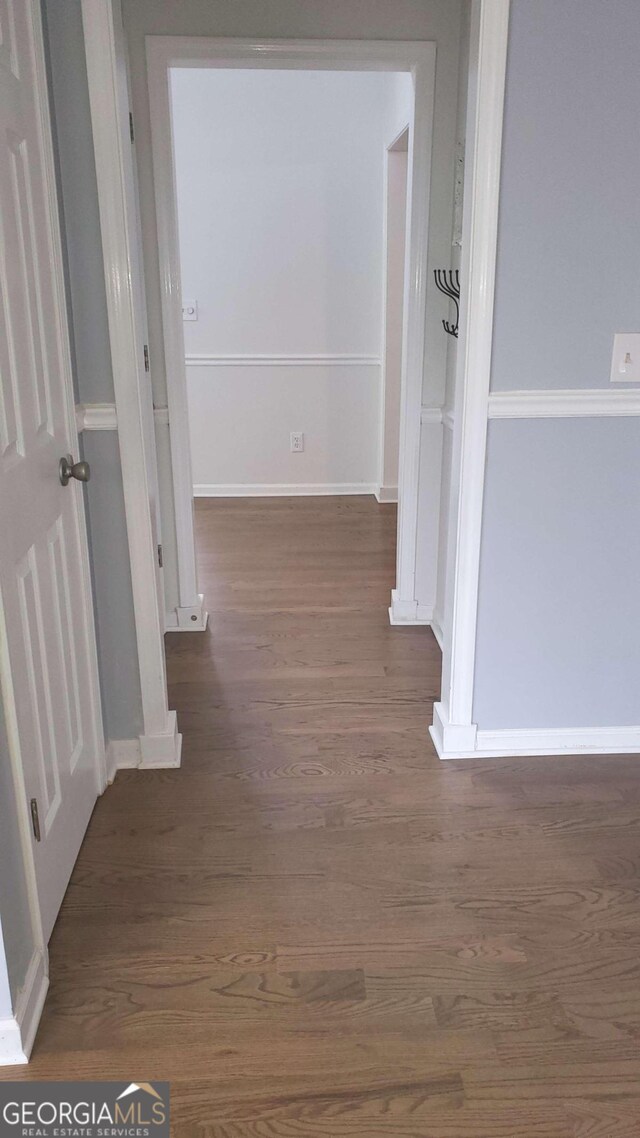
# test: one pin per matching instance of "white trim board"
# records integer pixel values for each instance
(418, 59)
(12, 1053)
(571, 403)
(282, 489)
(247, 360)
(431, 415)
(104, 416)
(145, 753)
(386, 493)
(408, 612)
(96, 417)
(18, 1032)
(514, 743)
(485, 107)
(184, 620)
(436, 628)
(122, 754)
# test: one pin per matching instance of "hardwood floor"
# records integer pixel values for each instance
(315, 928)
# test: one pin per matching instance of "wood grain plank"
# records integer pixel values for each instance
(605, 1119)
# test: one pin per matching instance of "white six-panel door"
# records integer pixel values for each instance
(45, 594)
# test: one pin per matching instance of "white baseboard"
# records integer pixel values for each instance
(436, 628)
(387, 493)
(12, 1052)
(187, 619)
(457, 741)
(18, 1032)
(408, 612)
(122, 754)
(282, 489)
(452, 740)
(148, 752)
(560, 741)
(162, 750)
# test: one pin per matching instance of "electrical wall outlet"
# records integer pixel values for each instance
(625, 364)
(296, 439)
(189, 309)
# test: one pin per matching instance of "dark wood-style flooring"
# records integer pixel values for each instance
(315, 928)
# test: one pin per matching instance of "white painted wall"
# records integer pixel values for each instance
(280, 178)
(241, 418)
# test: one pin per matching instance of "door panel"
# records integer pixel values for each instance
(67, 663)
(44, 581)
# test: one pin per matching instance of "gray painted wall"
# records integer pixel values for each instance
(559, 610)
(117, 651)
(559, 601)
(569, 233)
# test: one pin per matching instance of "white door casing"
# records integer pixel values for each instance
(394, 248)
(453, 731)
(48, 661)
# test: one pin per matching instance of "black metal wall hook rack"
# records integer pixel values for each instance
(448, 281)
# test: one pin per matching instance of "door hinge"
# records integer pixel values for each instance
(133, 137)
(146, 357)
(35, 819)
(160, 562)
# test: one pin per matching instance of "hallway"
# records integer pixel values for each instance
(315, 927)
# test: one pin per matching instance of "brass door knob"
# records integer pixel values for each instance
(70, 469)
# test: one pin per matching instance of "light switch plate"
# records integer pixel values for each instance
(189, 309)
(625, 363)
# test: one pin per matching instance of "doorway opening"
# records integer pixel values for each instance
(263, 446)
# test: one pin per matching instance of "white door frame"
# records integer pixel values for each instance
(417, 58)
(388, 491)
(453, 730)
(159, 744)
